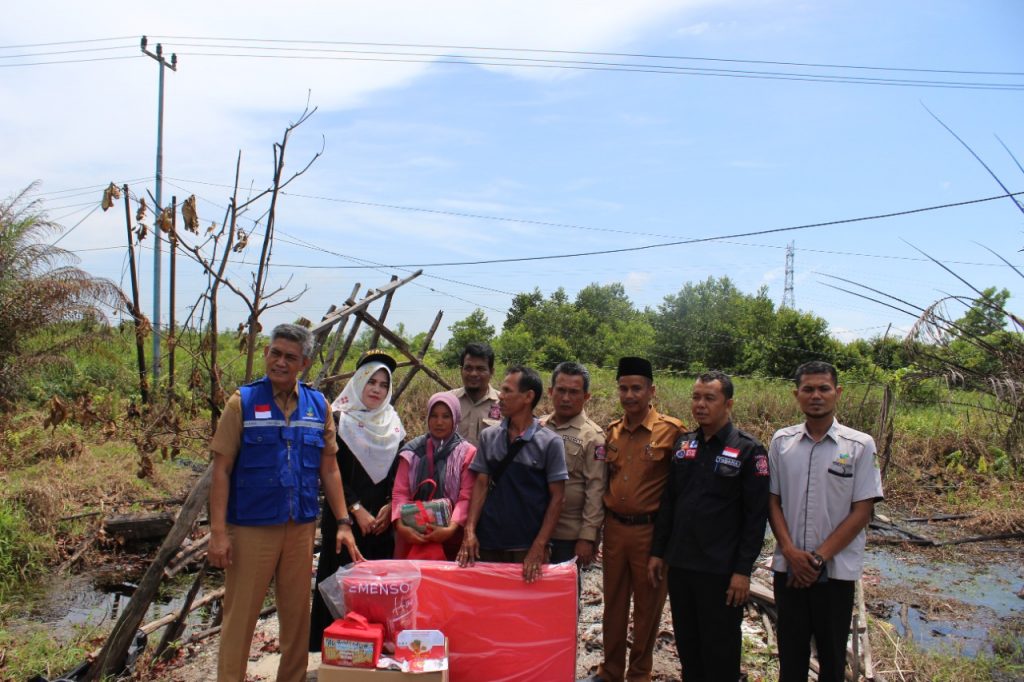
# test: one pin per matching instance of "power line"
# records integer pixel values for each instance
(69, 61)
(627, 68)
(574, 226)
(67, 42)
(600, 54)
(698, 240)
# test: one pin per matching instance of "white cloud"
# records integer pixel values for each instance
(634, 282)
(694, 29)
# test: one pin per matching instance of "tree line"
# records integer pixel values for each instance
(713, 324)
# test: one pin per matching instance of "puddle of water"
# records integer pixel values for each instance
(990, 591)
(75, 603)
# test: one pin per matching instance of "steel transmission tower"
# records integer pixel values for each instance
(788, 300)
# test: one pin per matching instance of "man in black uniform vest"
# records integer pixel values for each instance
(709, 531)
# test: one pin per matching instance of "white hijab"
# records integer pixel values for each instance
(373, 436)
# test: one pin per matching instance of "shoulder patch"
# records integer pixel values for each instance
(761, 464)
(600, 454)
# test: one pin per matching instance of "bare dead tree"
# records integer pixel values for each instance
(213, 252)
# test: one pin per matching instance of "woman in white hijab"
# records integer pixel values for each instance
(370, 433)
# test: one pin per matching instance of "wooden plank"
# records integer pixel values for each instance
(407, 379)
(361, 305)
(384, 313)
(400, 345)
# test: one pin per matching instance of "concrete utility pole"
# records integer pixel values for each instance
(173, 66)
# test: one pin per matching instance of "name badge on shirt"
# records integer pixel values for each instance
(727, 461)
(262, 411)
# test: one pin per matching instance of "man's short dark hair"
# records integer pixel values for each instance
(293, 332)
(573, 369)
(478, 350)
(815, 367)
(529, 380)
(720, 377)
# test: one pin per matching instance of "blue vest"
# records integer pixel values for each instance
(276, 476)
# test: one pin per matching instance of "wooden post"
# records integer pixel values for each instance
(173, 632)
(399, 343)
(111, 658)
(407, 379)
(383, 313)
(140, 347)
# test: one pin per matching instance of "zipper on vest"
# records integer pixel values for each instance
(291, 498)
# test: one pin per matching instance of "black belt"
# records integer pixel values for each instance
(634, 520)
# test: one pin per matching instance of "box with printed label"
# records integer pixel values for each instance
(330, 673)
(352, 641)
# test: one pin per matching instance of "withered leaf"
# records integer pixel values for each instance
(189, 215)
(140, 215)
(109, 194)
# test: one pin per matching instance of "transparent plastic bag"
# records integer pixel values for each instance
(383, 592)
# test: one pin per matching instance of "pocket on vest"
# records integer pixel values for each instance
(312, 448)
(258, 450)
(261, 495)
(309, 503)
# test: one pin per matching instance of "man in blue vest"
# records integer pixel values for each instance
(274, 443)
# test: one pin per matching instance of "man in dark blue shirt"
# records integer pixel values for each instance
(520, 484)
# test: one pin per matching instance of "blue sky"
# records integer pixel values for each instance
(628, 158)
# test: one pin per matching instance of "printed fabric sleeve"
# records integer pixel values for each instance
(867, 478)
(460, 511)
(595, 474)
(400, 493)
(755, 512)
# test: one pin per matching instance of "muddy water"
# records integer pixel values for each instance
(76, 603)
(978, 597)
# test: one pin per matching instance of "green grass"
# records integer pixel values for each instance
(35, 651)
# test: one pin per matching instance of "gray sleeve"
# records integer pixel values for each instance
(867, 479)
(480, 465)
(774, 467)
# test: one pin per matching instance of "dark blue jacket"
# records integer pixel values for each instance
(276, 476)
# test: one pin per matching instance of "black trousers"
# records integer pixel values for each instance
(822, 611)
(708, 636)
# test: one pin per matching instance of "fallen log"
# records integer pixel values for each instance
(112, 657)
(980, 538)
(189, 554)
(137, 527)
(939, 517)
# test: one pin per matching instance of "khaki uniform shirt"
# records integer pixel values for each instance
(228, 438)
(474, 414)
(638, 462)
(583, 509)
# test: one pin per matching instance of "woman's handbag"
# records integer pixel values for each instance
(419, 514)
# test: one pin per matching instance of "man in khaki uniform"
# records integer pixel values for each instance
(583, 509)
(477, 398)
(639, 458)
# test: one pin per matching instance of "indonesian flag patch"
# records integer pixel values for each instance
(263, 411)
(731, 452)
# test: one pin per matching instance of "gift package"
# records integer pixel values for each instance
(434, 513)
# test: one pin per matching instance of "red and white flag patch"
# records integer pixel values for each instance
(263, 411)
(731, 452)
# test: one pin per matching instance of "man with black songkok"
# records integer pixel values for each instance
(639, 447)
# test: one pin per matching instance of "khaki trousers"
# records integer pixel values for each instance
(625, 552)
(283, 552)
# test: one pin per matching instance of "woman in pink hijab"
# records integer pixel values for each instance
(433, 466)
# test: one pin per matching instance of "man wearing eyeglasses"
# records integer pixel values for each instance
(477, 398)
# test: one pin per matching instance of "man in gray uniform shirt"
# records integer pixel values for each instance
(824, 485)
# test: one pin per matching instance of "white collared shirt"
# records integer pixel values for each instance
(818, 484)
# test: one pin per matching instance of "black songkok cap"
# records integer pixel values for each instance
(377, 355)
(631, 366)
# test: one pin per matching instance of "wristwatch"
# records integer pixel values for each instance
(818, 560)
(353, 508)
(345, 521)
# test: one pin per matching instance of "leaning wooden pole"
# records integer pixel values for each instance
(140, 347)
(407, 379)
(375, 339)
(112, 656)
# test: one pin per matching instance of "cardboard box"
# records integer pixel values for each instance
(329, 673)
